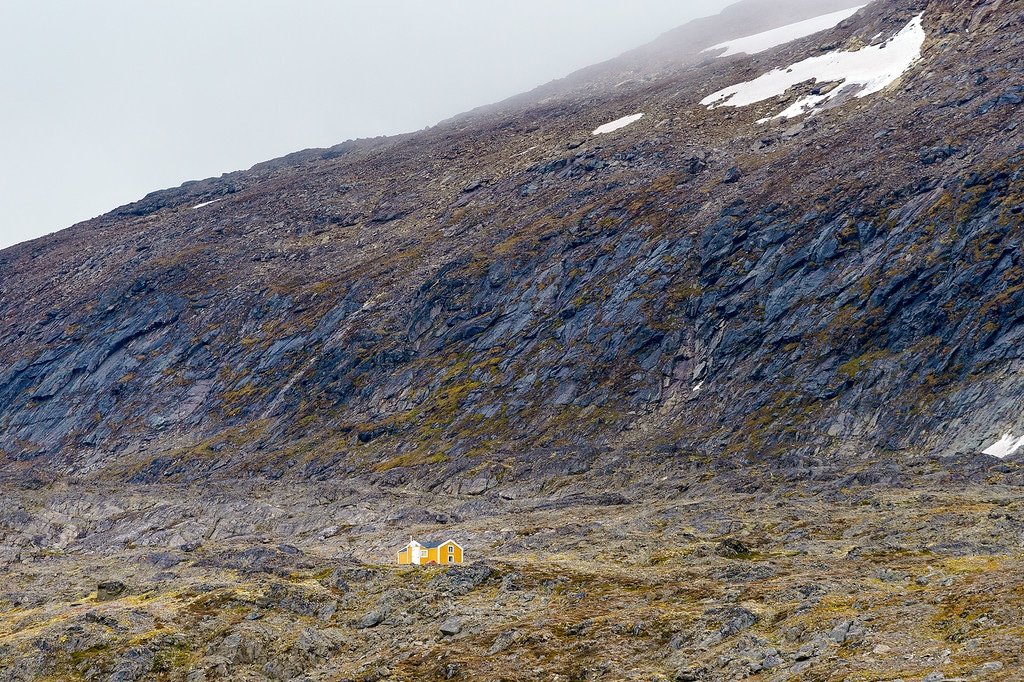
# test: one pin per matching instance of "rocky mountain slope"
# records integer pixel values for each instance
(512, 284)
(708, 393)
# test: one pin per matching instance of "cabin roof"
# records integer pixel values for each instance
(434, 545)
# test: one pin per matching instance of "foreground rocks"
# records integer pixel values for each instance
(810, 581)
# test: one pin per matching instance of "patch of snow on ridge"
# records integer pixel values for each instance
(869, 70)
(620, 123)
(760, 42)
(205, 203)
(1005, 446)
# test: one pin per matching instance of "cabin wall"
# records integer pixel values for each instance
(435, 555)
(443, 554)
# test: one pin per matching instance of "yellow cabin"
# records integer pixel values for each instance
(449, 552)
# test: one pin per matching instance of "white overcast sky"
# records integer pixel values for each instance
(103, 101)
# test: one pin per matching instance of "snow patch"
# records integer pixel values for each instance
(866, 71)
(759, 42)
(1005, 446)
(620, 123)
(699, 385)
(205, 203)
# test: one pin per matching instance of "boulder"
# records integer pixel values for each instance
(731, 548)
(371, 620)
(110, 589)
(450, 627)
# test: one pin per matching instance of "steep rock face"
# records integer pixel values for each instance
(507, 286)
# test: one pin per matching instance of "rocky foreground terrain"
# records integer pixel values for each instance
(857, 579)
(706, 397)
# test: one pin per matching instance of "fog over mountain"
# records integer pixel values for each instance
(132, 97)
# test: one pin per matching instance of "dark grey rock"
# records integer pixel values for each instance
(450, 627)
(503, 641)
(736, 620)
(164, 560)
(512, 582)
(110, 589)
(371, 620)
(579, 629)
(731, 548)
(461, 580)
(988, 667)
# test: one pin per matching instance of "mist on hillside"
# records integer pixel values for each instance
(113, 99)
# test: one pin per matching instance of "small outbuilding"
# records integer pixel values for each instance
(447, 552)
